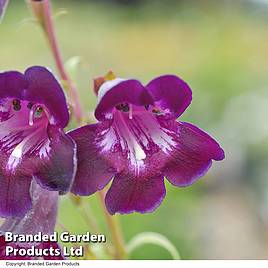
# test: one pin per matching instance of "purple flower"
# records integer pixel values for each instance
(41, 218)
(33, 113)
(138, 141)
(3, 5)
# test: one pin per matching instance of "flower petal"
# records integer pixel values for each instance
(129, 193)
(49, 158)
(15, 197)
(170, 93)
(41, 218)
(192, 156)
(93, 171)
(12, 84)
(127, 91)
(2, 240)
(57, 167)
(45, 89)
(36, 85)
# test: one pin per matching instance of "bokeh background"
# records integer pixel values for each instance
(221, 49)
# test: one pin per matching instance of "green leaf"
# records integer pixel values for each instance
(155, 239)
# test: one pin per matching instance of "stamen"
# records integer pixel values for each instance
(38, 111)
(122, 107)
(156, 111)
(147, 107)
(29, 105)
(31, 116)
(35, 112)
(130, 115)
(16, 105)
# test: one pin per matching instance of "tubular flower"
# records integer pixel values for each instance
(137, 142)
(33, 113)
(41, 218)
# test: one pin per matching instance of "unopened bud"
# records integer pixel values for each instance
(102, 79)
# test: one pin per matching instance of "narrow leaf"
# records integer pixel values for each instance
(155, 239)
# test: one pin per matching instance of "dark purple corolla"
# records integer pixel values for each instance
(33, 113)
(138, 142)
(41, 218)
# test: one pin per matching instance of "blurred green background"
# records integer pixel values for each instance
(221, 49)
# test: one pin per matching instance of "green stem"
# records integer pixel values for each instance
(42, 11)
(115, 229)
(86, 215)
(89, 219)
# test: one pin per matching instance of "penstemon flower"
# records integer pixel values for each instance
(33, 113)
(41, 218)
(138, 141)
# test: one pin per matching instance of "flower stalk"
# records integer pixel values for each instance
(114, 227)
(42, 11)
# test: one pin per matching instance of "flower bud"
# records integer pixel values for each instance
(102, 79)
